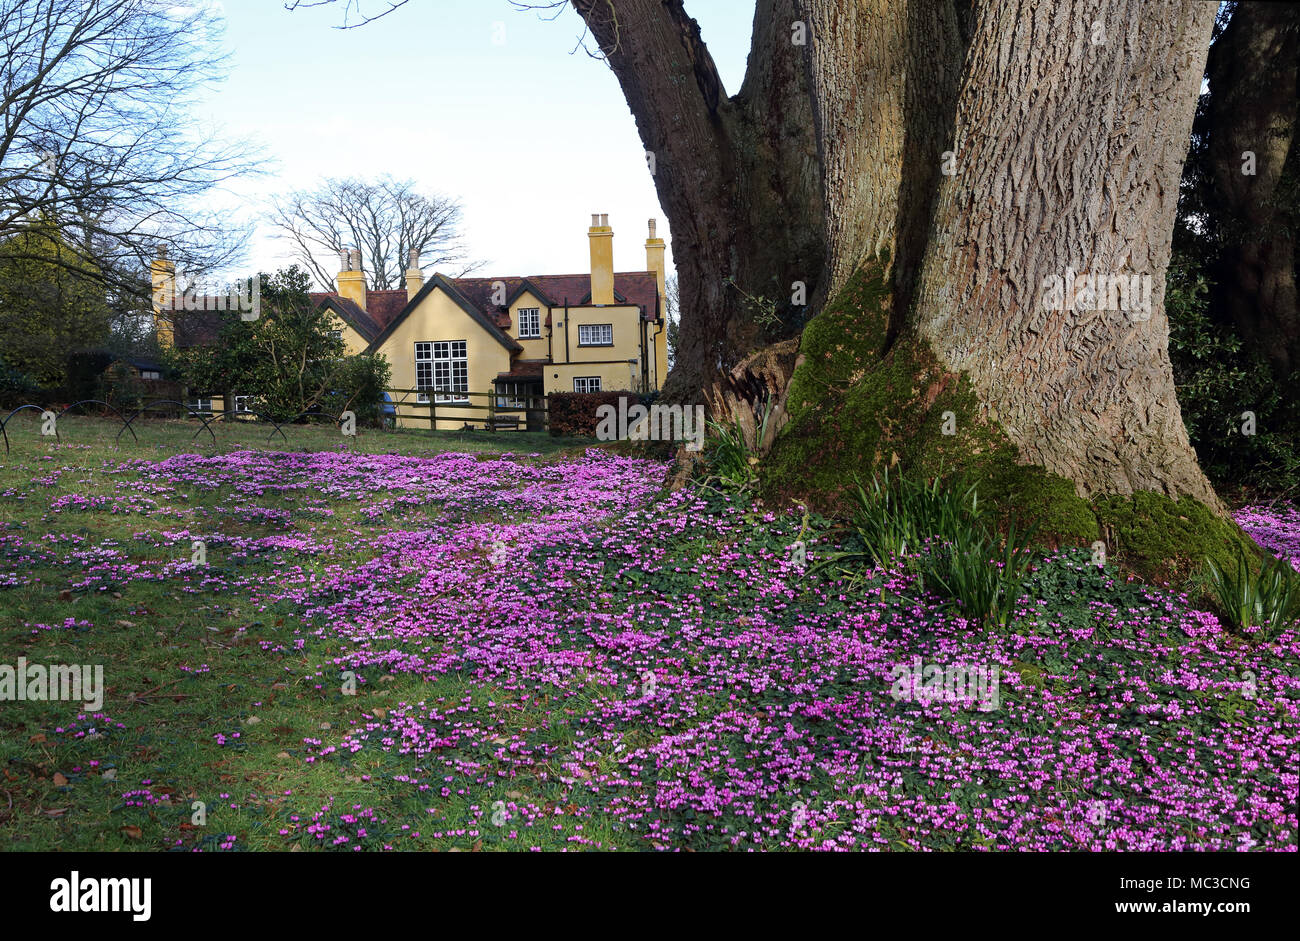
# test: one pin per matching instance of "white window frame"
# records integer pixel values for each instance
(150, 374)
(202, 406)
(443, 364)
(587, 384)
(536, 318)
(241, 404)
(423, 357)
(607, 329)
(513, 394)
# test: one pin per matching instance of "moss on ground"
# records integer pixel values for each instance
(856, 407)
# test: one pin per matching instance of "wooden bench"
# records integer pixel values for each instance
(497, 422)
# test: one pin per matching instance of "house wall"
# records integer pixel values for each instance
(533, 349)
(440, 318)
(610, 363)
(353, 342)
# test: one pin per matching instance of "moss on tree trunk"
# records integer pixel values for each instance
(857, 406)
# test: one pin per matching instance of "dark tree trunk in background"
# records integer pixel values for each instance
(738, 177)
(1253, 108)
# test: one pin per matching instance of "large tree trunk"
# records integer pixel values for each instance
(1253, 102)
(1070, 126)
(1069, 153)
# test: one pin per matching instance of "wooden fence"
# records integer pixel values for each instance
(415, 407)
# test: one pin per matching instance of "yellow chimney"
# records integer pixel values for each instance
(654, 261)
(601, 237)
(162, 274)
(414, 276)
(351, 279)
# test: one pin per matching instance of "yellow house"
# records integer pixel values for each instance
(461, 342)
(470, 341)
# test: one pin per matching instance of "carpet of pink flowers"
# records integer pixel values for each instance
(656, 667)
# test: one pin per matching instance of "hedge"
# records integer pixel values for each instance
(574, 413)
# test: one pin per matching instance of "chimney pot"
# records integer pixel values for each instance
(604, 218)
(595, 219)
(343, 259)
(413, 259)
(162, 251)
(354, 259)
(652, 228)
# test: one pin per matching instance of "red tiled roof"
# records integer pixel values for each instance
(351, 312)
(383, 306)
(638, 287)
(196, 327)
(524, 369)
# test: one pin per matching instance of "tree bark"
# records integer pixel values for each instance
(885, 76)
(1069, 153)
(1253, 107)
(738, 177)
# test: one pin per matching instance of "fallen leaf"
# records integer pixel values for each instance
(37, 738)
(65, 595)
(131, 832)
(60, 780)
(477, 847)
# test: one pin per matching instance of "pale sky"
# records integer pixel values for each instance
(471, 98)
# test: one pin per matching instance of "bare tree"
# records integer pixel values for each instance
(96, 133)
(385, 219)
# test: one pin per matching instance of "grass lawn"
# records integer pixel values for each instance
(483, 642)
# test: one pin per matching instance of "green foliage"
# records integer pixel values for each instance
(85, 372)
(938, 529)
(732, 456)
(986, 575)
(50, 303)
(288, 359)
(1266, 598)
(1219, 379)
(16, 388)
(359, 386)
(1071, 580)
(761, 309)
(296, 357)
(900, 515)
(731, 461)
